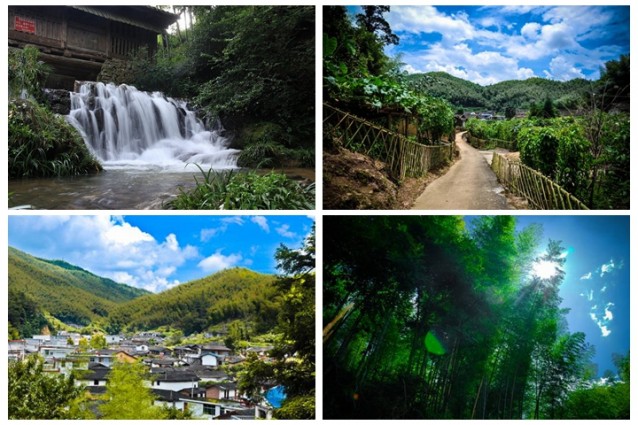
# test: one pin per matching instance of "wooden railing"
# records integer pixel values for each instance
(541, 192)
(404, 157)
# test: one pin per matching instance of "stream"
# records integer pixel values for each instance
(114, 189)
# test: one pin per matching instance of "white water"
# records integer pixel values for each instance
(129, 129)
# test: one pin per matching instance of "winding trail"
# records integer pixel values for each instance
(469, 184)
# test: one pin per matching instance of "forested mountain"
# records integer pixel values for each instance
(519, 94)
(74, 295)
(192, 307)
(67, 292)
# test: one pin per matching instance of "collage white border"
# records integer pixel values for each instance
(318, 212)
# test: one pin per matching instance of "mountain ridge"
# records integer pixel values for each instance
(518, 94)
(67, 292)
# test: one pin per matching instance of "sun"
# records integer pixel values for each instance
(544, 269)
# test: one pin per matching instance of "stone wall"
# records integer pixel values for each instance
(116, 71)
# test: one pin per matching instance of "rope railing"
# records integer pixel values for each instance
(405, 158)
(541, 192)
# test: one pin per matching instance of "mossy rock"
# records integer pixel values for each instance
(43, 144)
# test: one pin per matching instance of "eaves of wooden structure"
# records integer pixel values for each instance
(76, 40)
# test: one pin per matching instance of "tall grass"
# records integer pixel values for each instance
(42, 144)
(232, 190)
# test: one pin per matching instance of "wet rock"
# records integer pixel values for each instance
(59, 100)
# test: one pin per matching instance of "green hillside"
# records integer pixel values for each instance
(234, 294)
(67, 292)
(74, 295)
(518, 94)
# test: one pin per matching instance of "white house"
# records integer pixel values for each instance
(166, 379)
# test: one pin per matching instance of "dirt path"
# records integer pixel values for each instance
(470, 184)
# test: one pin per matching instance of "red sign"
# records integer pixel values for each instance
(25, 25)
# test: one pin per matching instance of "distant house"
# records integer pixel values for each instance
(17, 349)
(95, 376)
(109, 357)
(113, 339)
(169, 398)
(220, 350)
(50, 352)
(224, 391)
(207, 373)
(176, 380)
(158, 350)
(194, 393)
(162, 362)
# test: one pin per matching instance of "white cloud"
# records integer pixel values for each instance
(608, 315)
(603, 289)
(284, 230)
(262, 222)
(607, 268)
(486, 67)
(427, 19)
(604, 331)
(553, 35)
(531, 30)
(233, 220)
(207, 234)
(219, 261)
(586, 276)
(106, 246)
(562, 70)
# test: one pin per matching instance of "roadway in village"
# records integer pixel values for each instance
(470, 184)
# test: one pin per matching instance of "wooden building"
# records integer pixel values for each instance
(76, 40)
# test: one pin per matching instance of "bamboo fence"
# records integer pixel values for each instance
(490, 143)
(541, 192)
(404, 157)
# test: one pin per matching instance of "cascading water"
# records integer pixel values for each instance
(127, 128)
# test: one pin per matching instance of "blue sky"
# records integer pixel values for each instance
(596, 284)
(159, 252)
(488, 44)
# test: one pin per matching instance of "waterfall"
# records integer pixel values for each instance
(127, 128)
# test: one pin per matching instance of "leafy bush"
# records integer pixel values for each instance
(247, 191)
(26, 72)
(42, 144)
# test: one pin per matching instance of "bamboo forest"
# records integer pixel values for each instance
(490, 317)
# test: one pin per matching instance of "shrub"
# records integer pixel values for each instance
(232, 190)
(42, 144)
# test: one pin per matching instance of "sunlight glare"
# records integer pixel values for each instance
(545, 269)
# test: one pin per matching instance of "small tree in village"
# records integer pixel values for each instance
(294, 353)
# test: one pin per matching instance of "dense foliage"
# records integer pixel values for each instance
(194, 306)
(69, 293)
(430, 317)
(35, 394)
(245, 191)
(587, 155)
(359, 77)
(25, 316)
(127, 396)
(41, 144)
(294, 352)
(248, 65)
